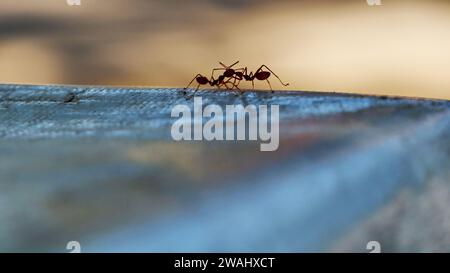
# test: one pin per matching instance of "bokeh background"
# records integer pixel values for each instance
(399, 48)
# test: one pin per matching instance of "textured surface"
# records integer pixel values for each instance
(98, 165)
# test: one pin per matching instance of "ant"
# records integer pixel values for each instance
(260, 74)
(202, 80)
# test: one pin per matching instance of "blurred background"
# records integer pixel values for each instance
(399, 48)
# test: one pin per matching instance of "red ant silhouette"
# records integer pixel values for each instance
(260, 74)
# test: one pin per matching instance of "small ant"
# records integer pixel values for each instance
(259, 75)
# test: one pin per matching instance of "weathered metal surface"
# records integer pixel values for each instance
(98, 165)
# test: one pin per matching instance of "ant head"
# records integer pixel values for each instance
(229, 73)
(202, 79)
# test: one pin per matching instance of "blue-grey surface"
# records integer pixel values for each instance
(98, 165)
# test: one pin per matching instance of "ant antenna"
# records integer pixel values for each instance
(228, 66)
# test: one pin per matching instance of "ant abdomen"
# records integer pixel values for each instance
(202, 80)
(262, 75)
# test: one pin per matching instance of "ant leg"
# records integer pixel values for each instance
(214, 70)
(265, 66)
(240, 91)
(271, 90)
(193, 93)
(227, 67)
(236, 82)
(184, 90)
(236, 85)
(228, 81)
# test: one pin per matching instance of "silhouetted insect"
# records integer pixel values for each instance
(260, 74)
